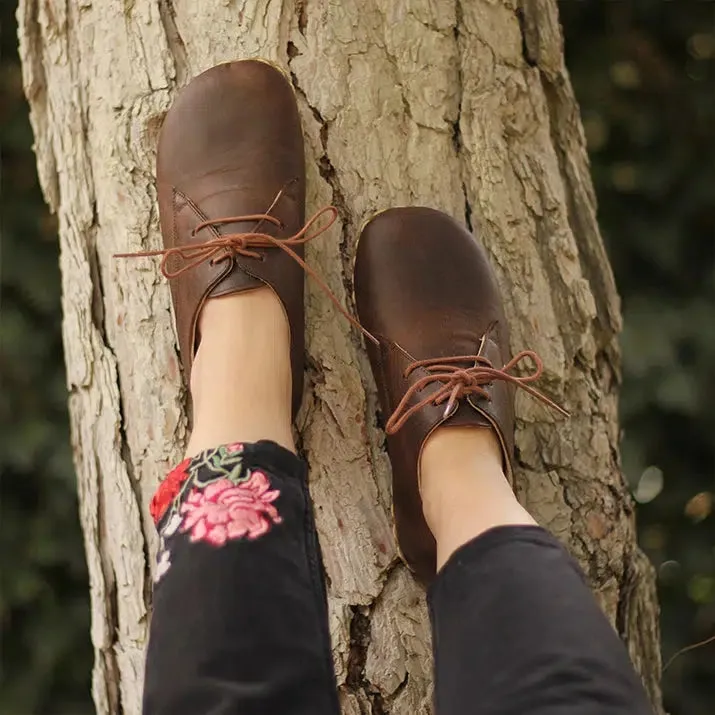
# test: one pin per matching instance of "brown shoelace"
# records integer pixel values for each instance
(227, 246)
(458, 382)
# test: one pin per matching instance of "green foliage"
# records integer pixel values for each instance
(644, 73)
(44, 614)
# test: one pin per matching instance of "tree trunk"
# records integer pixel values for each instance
(462, 105)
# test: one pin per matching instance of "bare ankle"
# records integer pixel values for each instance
(241, 377)
(457, 448)
(463, 487)
(226, 314)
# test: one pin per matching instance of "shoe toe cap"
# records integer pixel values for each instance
(237, 115)
(422, 280)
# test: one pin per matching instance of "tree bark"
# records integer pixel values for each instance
(461, 105)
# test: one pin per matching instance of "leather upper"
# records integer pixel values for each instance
(425, 289)
(231, 142)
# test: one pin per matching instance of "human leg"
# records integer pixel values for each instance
(239, 622)
(515, 627)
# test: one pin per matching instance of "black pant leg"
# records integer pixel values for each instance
(239, 623)
(518, 632)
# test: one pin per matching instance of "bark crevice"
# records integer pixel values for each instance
(167, 13)
(356, 681)
(329, 175)
(106, 651)
(32, 52)
(456, 125)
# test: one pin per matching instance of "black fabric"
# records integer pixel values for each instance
(516, 630)
(242, 629)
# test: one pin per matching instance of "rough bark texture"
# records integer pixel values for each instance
(462, 105)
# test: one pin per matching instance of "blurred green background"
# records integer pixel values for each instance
(644, 72)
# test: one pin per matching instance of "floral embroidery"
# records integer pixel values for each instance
(224, 510)
(168, 490)
(214, 498)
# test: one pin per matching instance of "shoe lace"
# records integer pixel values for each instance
(227, 246)
(457, 382)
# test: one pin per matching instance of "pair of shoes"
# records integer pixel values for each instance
(231, 187)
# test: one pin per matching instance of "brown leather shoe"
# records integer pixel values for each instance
(425, 290)
(231, 185)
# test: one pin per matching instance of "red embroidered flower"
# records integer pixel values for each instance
(168, 489)
(224, 510)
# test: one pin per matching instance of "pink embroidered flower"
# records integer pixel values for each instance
(168, 489)
(224, 510)
(235, 447)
